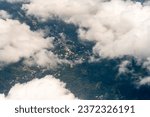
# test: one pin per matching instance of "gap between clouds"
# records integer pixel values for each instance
(117, 27)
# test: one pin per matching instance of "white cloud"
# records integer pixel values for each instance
(18, 41)
(145, 81)
(42, 59)
(4, 14)
(118, 27)
(46, 88)
(62, 8)
(123, 67)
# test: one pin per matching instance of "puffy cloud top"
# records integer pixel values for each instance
(45, 88)
(19, 42)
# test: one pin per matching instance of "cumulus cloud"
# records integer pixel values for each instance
(4, 14)
(118, 27)
(19, 42)
(62, 8)
(46, 88)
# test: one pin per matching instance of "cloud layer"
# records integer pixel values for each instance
(118, 27)
(45, 88)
